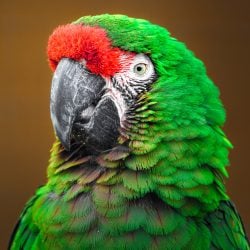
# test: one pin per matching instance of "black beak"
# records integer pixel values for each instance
(79, 112)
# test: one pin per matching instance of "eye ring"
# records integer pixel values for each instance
(140, 69)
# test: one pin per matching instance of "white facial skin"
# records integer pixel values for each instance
(134, 78)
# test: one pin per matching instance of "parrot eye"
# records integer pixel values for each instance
(140, 69)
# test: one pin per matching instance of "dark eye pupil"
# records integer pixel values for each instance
(140, 69)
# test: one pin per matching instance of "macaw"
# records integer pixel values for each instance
(140, 157)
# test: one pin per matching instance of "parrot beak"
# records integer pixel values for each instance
(79, 112)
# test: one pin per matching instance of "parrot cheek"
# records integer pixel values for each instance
(79, 112)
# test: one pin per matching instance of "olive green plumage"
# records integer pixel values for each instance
(167, 190)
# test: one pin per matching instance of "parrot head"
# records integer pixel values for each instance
(125, 82)
(94, 86)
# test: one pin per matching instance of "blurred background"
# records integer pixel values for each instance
(217, 31)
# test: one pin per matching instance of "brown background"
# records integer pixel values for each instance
(218, 32)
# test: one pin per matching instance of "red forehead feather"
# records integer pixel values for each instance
(84, 42)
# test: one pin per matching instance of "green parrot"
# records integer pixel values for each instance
(140, 158)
